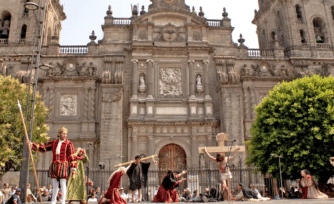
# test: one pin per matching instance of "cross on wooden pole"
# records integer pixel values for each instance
(221, 148)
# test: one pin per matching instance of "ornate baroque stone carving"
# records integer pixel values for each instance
(169, 33)
(68, 105)
(170, 81)
(111, 94)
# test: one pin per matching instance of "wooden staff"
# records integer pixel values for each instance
(143, 159)
(32, 159)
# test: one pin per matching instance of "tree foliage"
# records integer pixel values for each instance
(11, 129)
(295, 121)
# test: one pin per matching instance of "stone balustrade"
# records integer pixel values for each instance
(122, 21)
(257, 53)
(214, 23)
(73, 50)
(3, 41)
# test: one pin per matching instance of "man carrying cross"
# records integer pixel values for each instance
(222, 160)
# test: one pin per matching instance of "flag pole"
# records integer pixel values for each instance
(32, 159)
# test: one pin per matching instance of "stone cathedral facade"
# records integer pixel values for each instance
(166, 80)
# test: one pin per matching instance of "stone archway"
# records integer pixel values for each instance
(172, 157)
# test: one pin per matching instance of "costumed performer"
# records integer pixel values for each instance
(167, 192)
(63, 159)
(309, 187)
(225, 175)
(113, 196)
(137, 174)
(76, 182)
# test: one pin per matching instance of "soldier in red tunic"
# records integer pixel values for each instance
(63, 159)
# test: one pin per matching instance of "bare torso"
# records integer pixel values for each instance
(222, 166)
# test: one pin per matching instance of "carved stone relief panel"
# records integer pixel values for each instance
(68, 105)
(170, 81)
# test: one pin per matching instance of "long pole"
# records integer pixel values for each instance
(280, 172)
(30, 153)
(25, 153)
(25, 163)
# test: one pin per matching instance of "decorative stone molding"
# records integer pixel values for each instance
(111, 94)
(225, 71)
(301, 68)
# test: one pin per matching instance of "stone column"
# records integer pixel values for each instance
(192, 78)
(150, 145)
(194, 151)
(135, 80)
(150, 78)
(206, 79)
(134, 146)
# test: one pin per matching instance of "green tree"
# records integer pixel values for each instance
(295, 121)
(11, 129)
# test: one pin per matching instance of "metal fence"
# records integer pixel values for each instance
(197, 179)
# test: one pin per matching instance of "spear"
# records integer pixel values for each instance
(32, 159)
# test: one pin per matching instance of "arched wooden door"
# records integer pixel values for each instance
(172, 157)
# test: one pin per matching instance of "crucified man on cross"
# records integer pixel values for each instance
(225, 174)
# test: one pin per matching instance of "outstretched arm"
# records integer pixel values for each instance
(127, 168)
(210, 157)
(235, 153)
(181, 174)
(330, 160)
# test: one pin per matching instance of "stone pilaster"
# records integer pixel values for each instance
(150, 78)
(150, 150)
(192, 78)
(134, 146)
(194, 151)
(206, 79)
(231, 112)
(135, 79)
(111, 123)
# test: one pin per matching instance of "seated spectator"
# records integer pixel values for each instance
(124, 195)
(13, 190)
(97, 193)
(92, 198)
(45, 195)
(15, 198)
(50, 189)
(187, 194)
(30, 199)
(194, 197)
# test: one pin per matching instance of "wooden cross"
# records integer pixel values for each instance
(221, 148)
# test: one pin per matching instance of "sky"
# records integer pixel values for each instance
(83, 16)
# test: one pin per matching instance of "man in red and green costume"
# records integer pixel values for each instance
(64, 158)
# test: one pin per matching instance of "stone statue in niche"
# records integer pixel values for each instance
(142, 86)
(199, 86)
(170, 81)
(106, 77)
(68, 105)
